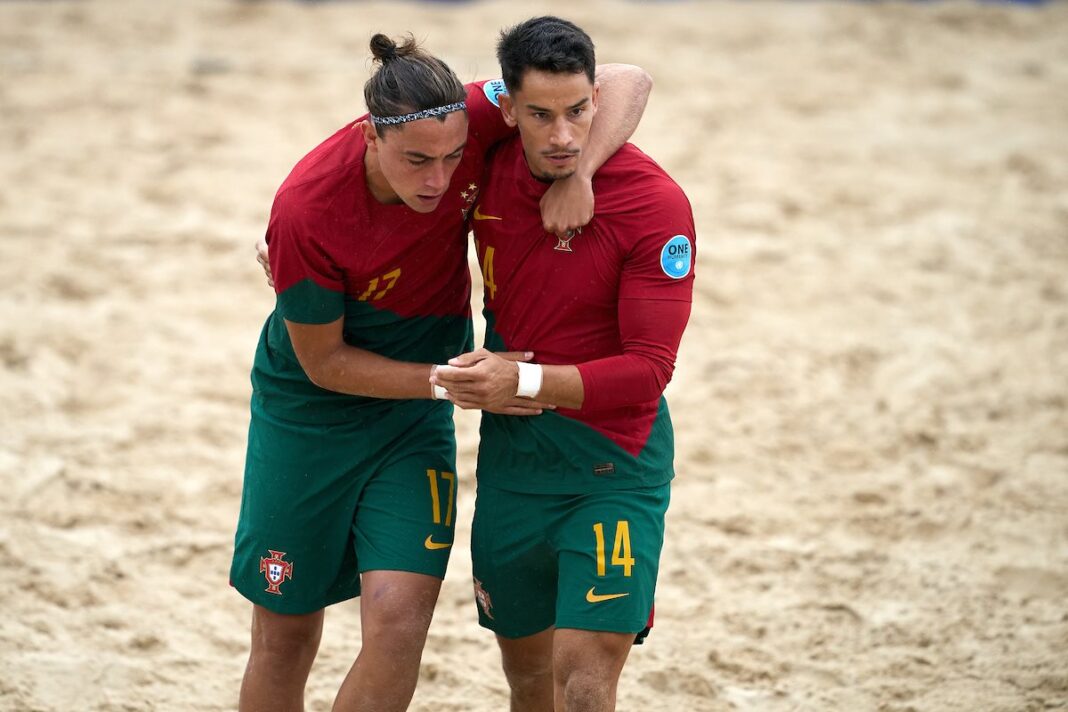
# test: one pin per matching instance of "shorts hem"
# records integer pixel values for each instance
(403, 568)
(510, 635)
(518, 484)
(284, 607)
(603, 626)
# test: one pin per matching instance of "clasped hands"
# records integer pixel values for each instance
(485, 380)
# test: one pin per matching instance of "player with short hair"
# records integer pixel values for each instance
(350, 481)
(569, 516)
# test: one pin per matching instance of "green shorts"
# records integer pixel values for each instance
(586, 561)
(322, 504)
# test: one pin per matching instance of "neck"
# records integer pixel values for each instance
(380, 188)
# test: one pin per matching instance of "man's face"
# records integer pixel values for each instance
(418, 159)
(554, 113)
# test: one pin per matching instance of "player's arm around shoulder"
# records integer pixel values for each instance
(623, 91)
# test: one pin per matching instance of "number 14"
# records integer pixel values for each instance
(620, 547)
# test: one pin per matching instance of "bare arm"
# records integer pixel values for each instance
(623, 91)
(332, 364)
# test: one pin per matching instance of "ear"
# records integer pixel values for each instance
(508, 110)
(596, 93)
(370, 134)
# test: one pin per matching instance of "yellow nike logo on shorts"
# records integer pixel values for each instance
(598, 597)
(479, 216)
(431, 544)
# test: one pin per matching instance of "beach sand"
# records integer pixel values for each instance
(871, 402)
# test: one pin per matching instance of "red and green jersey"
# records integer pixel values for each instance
(613, 299)
(399, 278)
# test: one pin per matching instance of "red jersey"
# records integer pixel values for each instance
(399, 278)
(613, 299)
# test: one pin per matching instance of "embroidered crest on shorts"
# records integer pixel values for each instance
(483, 599)
(275, 570)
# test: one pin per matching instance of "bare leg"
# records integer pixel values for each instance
(395, 612)
(586, 668)
(283, 649)
(528, 665)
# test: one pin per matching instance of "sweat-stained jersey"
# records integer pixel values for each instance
(613, 299)
(399, 278)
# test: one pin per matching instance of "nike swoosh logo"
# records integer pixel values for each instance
(479, 216)
(592, 597)
(431, 544)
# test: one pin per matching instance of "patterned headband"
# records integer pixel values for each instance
(415, 116)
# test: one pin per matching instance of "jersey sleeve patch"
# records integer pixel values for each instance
(676, 257)
(493, 90)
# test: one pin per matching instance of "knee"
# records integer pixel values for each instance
(396, 624)
(585, 689)
(285, 636)
(528, 666)
(528, 675)
(587, 665)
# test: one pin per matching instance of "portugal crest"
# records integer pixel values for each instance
(275, 571)
(483, 599)
(563, 244)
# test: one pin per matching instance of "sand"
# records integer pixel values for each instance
(871, 403)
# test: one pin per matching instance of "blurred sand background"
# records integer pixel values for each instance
(871, 509)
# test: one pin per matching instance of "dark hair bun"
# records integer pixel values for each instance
(407, 79)
(383, 48)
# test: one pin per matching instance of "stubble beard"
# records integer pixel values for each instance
(548, 176)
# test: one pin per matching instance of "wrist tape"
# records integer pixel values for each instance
(530, 375)
(437, 392)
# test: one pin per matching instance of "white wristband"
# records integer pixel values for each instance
(437, 392)
(529, 379)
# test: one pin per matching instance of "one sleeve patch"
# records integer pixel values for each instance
(493, 90)
(676, 257)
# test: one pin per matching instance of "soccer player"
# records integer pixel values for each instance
(569, 516)
(350, 477)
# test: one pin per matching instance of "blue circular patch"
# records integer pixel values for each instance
(676, 257)
(493, 90)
